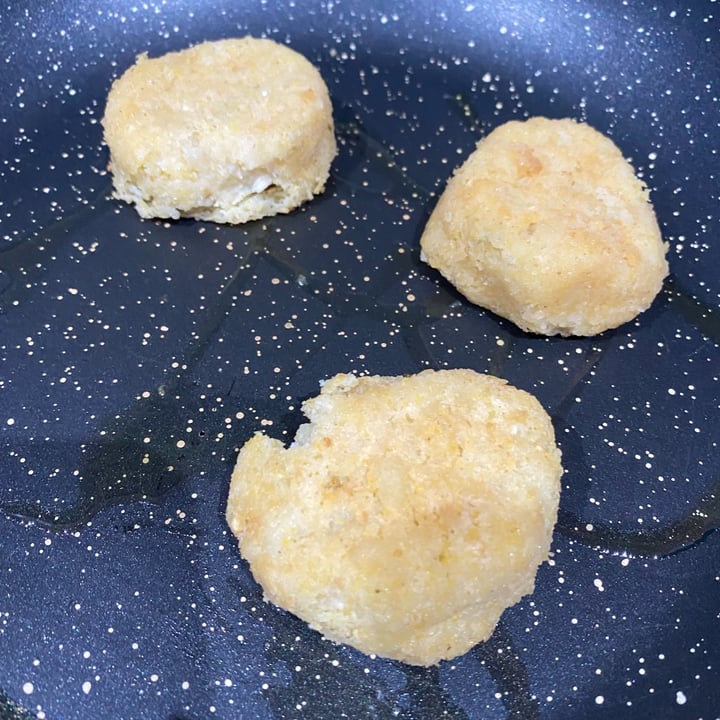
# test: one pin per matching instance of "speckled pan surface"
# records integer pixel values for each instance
(136, 357)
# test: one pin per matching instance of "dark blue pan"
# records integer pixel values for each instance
(136, 357)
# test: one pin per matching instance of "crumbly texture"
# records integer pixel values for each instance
(408, 513)
(547, 225)
(227, 131)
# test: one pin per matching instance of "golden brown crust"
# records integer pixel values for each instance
(408, 514)
(227, 131)
(547, 225)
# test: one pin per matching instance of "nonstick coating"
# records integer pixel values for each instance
(137, 356)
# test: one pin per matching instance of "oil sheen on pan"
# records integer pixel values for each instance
(137, 356)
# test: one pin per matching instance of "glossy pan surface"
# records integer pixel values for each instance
(137, 356)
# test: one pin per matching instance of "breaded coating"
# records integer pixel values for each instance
(547, 225)
(408, 514)
(227, 131)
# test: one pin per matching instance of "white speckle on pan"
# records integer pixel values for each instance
(28, 688)
(680, 697)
